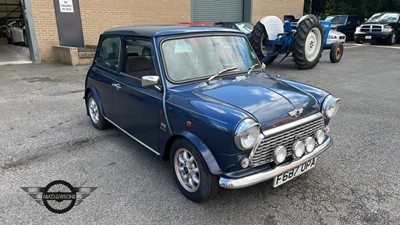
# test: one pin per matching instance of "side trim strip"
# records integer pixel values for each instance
(148, 147)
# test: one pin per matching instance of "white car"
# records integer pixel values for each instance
(15, 33)
(336, 36)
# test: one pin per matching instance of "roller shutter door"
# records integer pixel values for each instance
(217, 10)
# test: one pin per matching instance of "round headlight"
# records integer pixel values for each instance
(330, 106)
(310, 144)
(298, 149)
(320, 136)
(280, 154)
(246, 134)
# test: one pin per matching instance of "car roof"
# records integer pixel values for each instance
(165, 30)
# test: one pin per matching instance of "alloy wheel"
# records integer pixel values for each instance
(93, 110)
(187, 170)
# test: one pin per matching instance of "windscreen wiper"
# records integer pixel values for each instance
(219, 73)
(251, 69)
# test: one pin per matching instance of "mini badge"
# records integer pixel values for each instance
(296, 112)
(59, 196)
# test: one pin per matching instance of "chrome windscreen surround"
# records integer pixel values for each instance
(284, 135)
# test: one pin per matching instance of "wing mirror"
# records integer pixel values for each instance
(151, 81)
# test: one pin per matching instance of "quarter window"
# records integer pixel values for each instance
(108, 56)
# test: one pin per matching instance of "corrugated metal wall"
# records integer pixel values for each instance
(217, 10)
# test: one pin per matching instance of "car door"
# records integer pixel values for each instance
(105, 70)
(138, 109)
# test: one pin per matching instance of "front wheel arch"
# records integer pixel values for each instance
(200, 145)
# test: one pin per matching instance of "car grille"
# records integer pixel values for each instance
(376, 29)
(371, 28)
(264, 153)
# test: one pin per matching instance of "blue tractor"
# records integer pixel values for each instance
(305, 39)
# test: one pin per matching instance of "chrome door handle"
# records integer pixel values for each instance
(117, 86)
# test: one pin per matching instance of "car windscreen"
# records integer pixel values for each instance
(196, 58)
(245, 27)
(336, 19)
(384, 18)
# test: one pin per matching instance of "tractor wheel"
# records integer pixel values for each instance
(258, 35)
(336, 52)
(308, 43)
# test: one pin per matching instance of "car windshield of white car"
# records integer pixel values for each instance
(384, 18)
(198, 58)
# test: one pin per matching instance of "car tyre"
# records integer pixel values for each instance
(308, 43)
(92, 107)
(191, 173)
(336, 52)
(257, 37)
(392, 39)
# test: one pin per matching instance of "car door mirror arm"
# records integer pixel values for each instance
(159, 87)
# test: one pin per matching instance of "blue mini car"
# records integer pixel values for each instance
(197, 96)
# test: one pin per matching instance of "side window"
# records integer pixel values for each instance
(138, 61)
(108, 56)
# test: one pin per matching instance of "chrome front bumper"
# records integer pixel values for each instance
(267, 175)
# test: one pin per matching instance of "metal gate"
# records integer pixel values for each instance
(217, 10)
(69, 22)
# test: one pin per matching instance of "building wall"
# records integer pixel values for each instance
(44, 18)
(277, 8)
(100, 15)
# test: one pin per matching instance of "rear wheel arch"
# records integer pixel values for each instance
(97, 96)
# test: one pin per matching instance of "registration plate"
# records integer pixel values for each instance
(368, 37)
(289, 175)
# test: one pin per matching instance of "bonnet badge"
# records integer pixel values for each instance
(296, 112)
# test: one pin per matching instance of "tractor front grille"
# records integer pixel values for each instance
(264, 153)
